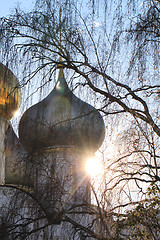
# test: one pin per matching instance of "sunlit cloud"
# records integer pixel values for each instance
(96, 24)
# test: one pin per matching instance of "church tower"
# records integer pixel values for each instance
(59, 133)
(11, 170)
(56, 136)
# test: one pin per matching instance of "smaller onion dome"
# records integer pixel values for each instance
(10, 95)
(61, 119)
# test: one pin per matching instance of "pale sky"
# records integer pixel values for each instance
(7, 5)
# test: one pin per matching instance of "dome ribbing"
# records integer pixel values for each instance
(61, 119)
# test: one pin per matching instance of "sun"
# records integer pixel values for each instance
(94, 167)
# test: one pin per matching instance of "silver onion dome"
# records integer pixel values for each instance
(61, 119)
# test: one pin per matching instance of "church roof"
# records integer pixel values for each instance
(61, 119)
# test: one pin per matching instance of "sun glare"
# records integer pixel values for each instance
(93, 167)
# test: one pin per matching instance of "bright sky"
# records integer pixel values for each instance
(7, 5)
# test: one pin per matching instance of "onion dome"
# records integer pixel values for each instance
(61, 119)
(10, 96)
